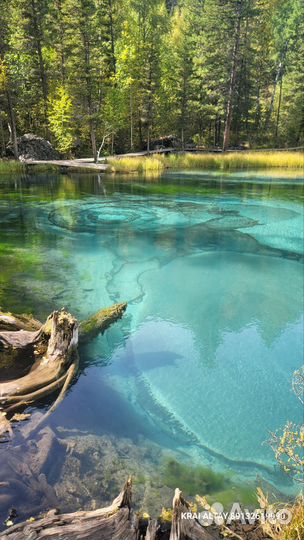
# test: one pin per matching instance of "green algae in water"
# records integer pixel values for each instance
(193, 480)
(246, 494)
(203, 481)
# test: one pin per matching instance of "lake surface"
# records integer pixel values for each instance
(212, 269)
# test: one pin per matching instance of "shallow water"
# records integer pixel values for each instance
(211, 268)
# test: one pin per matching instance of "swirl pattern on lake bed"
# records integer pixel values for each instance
(92, 216)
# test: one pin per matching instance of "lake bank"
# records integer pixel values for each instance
(223, 161)
(158, 163)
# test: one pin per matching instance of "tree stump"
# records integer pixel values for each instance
(51, 351)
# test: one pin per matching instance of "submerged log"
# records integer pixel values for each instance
(100, 321)
(119, 522)
(11, 322)
(115, 522)
(54, 347)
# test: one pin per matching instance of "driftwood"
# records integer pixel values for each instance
(115, 522)
(11, 322)
(119, 522)
(188, 528)
(152, 530)
(53, 346)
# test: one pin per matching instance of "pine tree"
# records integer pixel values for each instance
(27, 44)
(139, 63)
(174, 103)
(7, 109)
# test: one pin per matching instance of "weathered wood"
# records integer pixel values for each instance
(100, 321)
(5, 425)
(115, 522)
(188, 529)
(69, 164)
(54, 345)
(10, 322)
(152, 529)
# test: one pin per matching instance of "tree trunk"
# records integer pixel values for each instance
(279, 109)
(12, 124)
(53, 345)
(131, 120)
(148, 140)
(100, 321)
(119, 522)
(3, 149)
(61, 46)
(88, 78)
(42, 72)
(152, 529)
(93, 141)
(113, 58)
(182, 528)
(279, 75)
(232, 83)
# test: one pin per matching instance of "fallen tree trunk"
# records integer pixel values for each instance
(119, 522)
(115, 522)
(11, 322)
(99, 322)
(53, 345)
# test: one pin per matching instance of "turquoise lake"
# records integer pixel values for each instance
(212, 269)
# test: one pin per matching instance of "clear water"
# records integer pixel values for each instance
(211, 268)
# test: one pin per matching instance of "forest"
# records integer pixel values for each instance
(121, 73)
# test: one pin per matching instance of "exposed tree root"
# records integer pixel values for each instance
(68, 379)
(54, 347)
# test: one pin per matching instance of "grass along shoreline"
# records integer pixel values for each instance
(231, 161)
(225, 162)
(8, 166)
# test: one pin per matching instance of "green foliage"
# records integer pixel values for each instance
(288, 445)
(289, 450)
(124, 72)
(10, 166)
(61, 120)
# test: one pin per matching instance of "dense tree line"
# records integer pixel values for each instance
(112, 75)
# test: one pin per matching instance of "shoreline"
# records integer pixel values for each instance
(158, 163)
